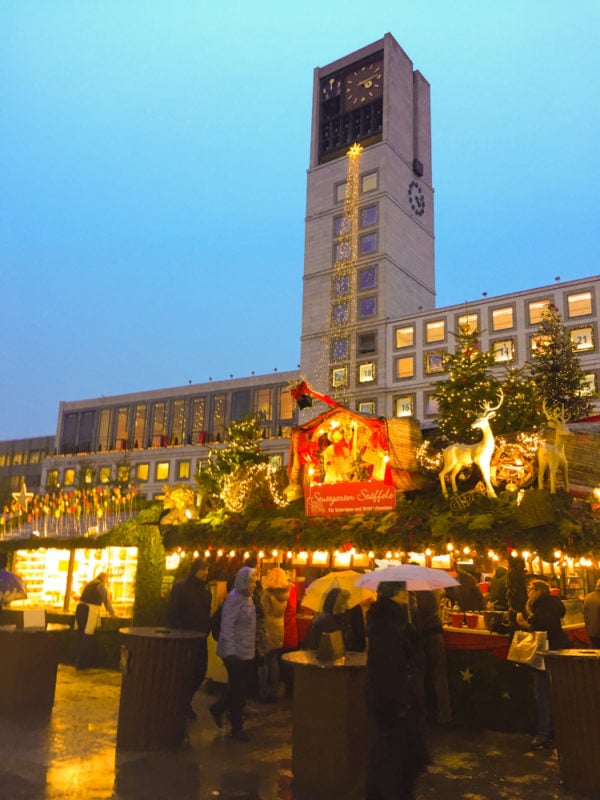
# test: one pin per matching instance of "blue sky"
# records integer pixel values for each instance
(153, 158)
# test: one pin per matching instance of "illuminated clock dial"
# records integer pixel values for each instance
(363, 84)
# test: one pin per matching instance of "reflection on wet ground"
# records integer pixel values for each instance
(71, 755)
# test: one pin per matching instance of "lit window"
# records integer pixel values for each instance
(88, 476)
(579, 304)
(582, 338)
(468, 323)
(142, 472)
(502, 319)
(404, 406)
(341, 225)
(588, 385)
(340, 192)
(503, 350)
(52, 479)
(183, 470)
(286, 403)
(434, 362)
(405, 367)
(538, 343)
(69, 477)
(367, 307)
(536, 310)
(263, 404)
(367, 278)
(123, 473)
(367, 343)
(341, 285)
(162, 471)
(368, 216)
(432, 405)
(104, 475)
(367, 407)
(339, 376)
(275, 462)
(339, 349)
(342, 251)
(368, 182)
(366, 373)
(435, 331)
(341, 313)
(405, 337)
(368, 243)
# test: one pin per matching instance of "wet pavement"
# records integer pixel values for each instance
(71, 755)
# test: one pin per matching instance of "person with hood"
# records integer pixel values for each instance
(543, 612)
(276, 589)
(398, 752)
(188, 609)
(237, 648)
(336, 616)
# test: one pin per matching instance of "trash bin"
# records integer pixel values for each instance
(28, 670)
(156, 673)
(574, 677)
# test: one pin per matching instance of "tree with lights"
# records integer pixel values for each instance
(240, 451)
(469, 384)
(555, 367)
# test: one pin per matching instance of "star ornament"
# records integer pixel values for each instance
(466, 675)
(23, 497)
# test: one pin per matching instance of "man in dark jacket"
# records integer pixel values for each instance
(397, 747)
(189, 610)
(429, 625)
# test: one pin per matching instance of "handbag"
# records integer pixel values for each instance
(526, 646)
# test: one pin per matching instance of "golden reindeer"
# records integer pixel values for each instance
(457, 456)
(552, 457)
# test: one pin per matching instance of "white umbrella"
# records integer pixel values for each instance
(345, 579)
(416, 578)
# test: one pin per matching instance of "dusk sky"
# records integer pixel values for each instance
(153, 158)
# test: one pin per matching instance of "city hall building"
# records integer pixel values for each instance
(372, 336)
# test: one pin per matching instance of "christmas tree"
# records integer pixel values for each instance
(555, 367)
(469, 384)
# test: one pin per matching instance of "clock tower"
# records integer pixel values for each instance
(369, 244)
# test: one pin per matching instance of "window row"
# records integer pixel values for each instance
(341, 283)
(365, 373)
(578, 304)
(504, 350)
(368, 182)
(405, 405)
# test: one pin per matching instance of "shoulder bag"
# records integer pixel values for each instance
(526, 646)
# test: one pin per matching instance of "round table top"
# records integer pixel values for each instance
(162, 633)
(308, 658)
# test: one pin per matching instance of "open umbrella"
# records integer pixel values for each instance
(345, 579)
(416, 578)
(11, 587)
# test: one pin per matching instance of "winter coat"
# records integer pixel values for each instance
(290, 623)
(238, 620)
(274, 602)
(349, 621)
(547, 612)
(188, 607)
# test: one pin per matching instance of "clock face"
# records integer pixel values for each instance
(363, 84)
(416, 198)
(330, 87)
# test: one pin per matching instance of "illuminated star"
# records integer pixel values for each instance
(506, 695)
(23, 497)
(466, 675)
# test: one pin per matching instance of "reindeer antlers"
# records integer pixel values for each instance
(554, 415)
(488, 411)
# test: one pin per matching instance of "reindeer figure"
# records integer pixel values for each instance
(457, 456)
(552, 457)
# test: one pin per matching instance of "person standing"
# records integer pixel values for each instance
(188, 609)
(429, 625)
(237, 648)
(87, 613)
(274, 598)
(591, 615)
(398, 752)
(543, 612)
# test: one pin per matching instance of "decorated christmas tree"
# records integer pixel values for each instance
(555, 367)
(469, 384)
